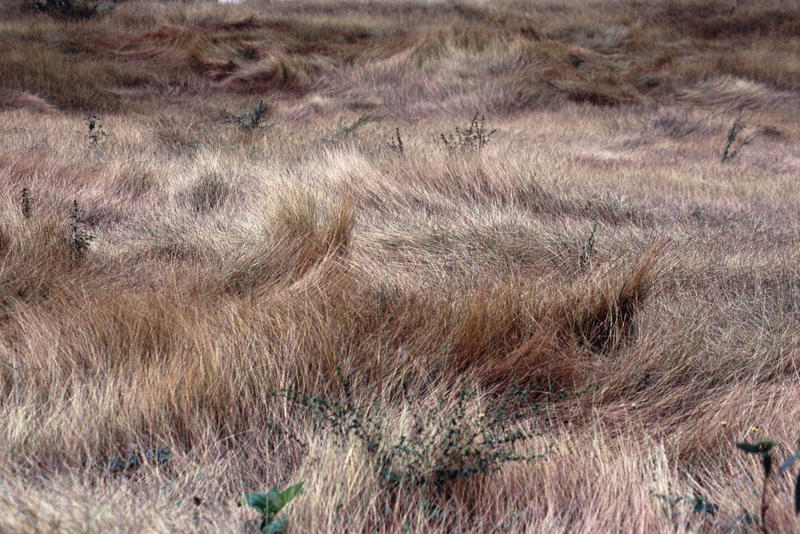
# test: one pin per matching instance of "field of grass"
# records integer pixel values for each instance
(559, 317)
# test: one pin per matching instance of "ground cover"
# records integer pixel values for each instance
(456, 267)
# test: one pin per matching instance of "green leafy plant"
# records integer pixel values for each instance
(270, 504)
(734, 141)
(79, 238)
(25, 203)
(698, 503)
(345, 132)
(349, 129)
(249, 120)
(453, 440)
(159, 455)
(746, 518)
(459, 440)
(474, 137)
(764, 450)
(95, 131)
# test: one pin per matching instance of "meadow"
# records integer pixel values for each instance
(509, 266)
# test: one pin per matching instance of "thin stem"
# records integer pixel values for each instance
(764, 505)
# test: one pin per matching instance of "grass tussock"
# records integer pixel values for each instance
(298, 239)
(252, 245)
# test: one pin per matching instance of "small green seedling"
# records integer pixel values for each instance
(270, 504)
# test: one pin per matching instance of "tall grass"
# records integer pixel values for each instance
(594, 254)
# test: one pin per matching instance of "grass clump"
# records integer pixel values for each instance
(210, 192)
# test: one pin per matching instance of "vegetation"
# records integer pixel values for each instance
(248, 120)
(95, 131)
(79, 9)
(764, 450)
(734, 141)
(457, 267)
(270, 504)
(445, 442)
(474, 137)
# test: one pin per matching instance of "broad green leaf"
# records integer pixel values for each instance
(274, 527)
(255, 500)
(756, 448)
(273, 499)
(788, 463)
(278, 499)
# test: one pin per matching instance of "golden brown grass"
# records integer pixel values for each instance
(228, 263)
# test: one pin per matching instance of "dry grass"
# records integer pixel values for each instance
(596, 251)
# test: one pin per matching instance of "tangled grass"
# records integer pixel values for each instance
(157, 288)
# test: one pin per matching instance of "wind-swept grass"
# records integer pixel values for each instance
(159, 288)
